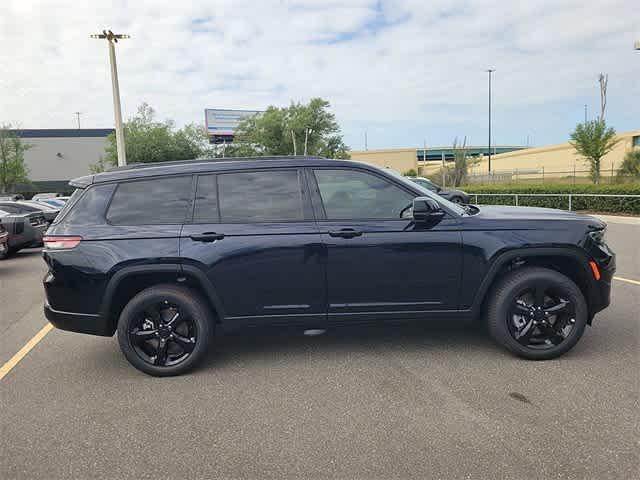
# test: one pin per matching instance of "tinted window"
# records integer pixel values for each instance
(151, 202)
(206, 210)
(348, 194)
(10, 208)
(427, 185)
(267, 196)
(89, 209)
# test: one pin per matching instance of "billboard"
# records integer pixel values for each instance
(221, 124)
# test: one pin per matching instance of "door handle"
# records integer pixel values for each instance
(345, 233)
(207, 237)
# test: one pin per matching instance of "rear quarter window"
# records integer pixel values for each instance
(89, 208)
(151, 202)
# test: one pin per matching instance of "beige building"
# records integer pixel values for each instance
(62, 154)
(559, 160)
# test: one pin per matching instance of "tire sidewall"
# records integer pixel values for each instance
(188, 302)
(513, 285)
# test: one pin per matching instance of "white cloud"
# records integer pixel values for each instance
(403, 69)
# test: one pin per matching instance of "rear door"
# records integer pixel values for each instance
(253, 233)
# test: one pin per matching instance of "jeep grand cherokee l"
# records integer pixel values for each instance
(161, 253)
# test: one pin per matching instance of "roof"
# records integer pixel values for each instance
(207, 165)
(62, 132)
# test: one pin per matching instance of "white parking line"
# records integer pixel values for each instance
(628, 280)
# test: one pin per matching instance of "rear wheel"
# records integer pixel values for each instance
(165, 330)
(456, 199)
(537, 313)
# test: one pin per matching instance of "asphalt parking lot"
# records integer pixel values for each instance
(415, 401)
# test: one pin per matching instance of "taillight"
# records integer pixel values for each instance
(58, 242)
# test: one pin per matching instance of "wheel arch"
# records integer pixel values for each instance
(129, 281)
(571, 262)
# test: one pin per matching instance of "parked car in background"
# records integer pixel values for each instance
(42, 196)
(53, 202)
(163, 254)
(4, 240)
(11, 196)
(25, 230)
(455, 196)
(27, 206)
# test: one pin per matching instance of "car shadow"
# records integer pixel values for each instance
(289, 341)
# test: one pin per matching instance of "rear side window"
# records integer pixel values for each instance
(89, 209)
(265, 196)
(151, 202)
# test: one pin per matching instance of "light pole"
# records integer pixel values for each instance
(585, 113)
(77, 114)
(111, 39)
(490, 71)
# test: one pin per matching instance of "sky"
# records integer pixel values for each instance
(404, 71)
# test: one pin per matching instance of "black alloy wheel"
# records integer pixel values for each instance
(163, 335)
(540, 319)
(536, 313)
(165, 330)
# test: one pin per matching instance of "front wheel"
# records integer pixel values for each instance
(457, 200)
(537, 313)
(165, 330)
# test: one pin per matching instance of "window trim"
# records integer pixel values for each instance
(361, 170)
(145, 179)
(307, 212)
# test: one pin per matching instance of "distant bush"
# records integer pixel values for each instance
(600, 204)
(410, 173)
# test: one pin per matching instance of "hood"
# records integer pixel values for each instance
(502, 212)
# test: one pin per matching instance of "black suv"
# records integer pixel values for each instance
(163, 253)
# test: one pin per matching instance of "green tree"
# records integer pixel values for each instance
(149, 140)
(13, 170)
(630, 166)
(593, 140)
(295, 130)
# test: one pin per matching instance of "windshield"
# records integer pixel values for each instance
(428, 193)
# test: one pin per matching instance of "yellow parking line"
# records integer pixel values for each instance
(6, 368)
(628, 280)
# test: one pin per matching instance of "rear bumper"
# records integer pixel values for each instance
(78, 322)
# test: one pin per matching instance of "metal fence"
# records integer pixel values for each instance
(517, 197)
(542, 175)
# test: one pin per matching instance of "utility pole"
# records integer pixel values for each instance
(365, 141)
(490, 71)
(113, 38)
(77, 114)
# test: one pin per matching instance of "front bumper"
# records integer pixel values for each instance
(78, 322)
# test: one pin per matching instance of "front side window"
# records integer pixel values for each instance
(264, 196)
(350, 194)
(151, 202)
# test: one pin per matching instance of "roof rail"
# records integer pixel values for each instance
(132, 166)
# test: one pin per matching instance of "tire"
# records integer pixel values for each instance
(456, 199)
(507, 307)
(145, 325)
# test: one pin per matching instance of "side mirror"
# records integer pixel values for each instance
(425, 209)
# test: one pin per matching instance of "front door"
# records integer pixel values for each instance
(379, 263)
(253, 234)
